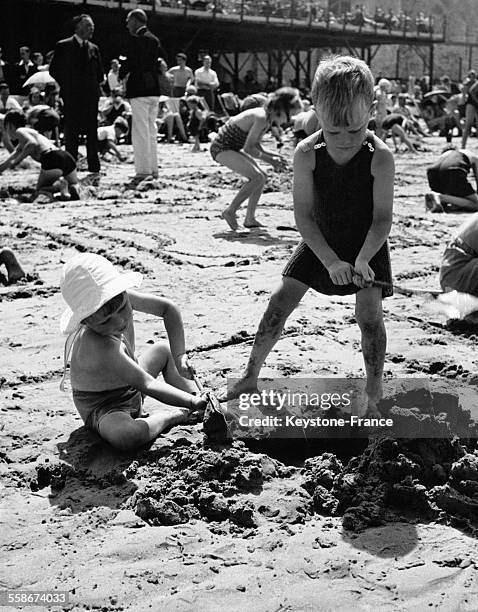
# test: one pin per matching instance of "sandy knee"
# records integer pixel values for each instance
(126, 437)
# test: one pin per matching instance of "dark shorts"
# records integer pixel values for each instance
(103, 147)
(93, 406)
(58, 160)
(305, 267)
(451, 182)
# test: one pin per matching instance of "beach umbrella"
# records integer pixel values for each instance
(39, 79)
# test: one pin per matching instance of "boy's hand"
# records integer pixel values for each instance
(183, 366)
(341, 272)
(363, 274)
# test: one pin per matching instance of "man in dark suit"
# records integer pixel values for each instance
(142, 89)
(78, 69)
(23, 70)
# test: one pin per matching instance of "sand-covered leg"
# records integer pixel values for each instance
(283, 301)
(368, 311)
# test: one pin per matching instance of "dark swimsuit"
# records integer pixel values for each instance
(229, 138)
(449, 175)
(93, 406)
(344, 213)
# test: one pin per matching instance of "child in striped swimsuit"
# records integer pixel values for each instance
(238, 145)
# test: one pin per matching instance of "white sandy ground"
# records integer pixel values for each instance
(81, 540)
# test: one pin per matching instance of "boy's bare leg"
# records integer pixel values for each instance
(127, 434)
(157, 359)
(282, 302)
(245, 166)
(14, 270)
(368, 311)
(250, 220)
(470, 203)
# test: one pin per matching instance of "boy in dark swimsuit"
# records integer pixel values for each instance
(343, 196)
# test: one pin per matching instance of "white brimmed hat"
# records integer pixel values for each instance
(87, 282)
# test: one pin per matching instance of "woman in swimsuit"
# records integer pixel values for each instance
(238, 145)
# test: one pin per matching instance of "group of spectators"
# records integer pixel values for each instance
(310, 11)
(138, 95)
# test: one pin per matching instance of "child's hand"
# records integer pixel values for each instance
(341, 272)
(183, 366)
(364, 274)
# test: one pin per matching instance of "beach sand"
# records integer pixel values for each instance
(183, 526)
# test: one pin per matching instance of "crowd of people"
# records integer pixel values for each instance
(308, 11)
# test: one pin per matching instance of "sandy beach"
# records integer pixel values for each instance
(183, 526)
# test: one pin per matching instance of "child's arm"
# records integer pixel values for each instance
(253, 145)
(161, 307)
(112, 147)
(305, 194)
(26, 145)
(383, 171)
(133, 375)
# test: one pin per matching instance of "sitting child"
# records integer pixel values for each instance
(397, 124)
(108, 381)
(58, 168)
(196, 120)
(109, 135)
(451, 190)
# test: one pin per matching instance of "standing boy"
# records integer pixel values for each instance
(343, 196)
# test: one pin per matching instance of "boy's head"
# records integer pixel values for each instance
(13, 120)
(282, 104)
(342, 90)
(89, 285)
(4, 90)
(193, 101)
(121, 126)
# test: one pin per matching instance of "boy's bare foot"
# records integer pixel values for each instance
(230, 218)
(253, 223)
(74, 192)
(14, 270)
(432, 203)
(243, 385)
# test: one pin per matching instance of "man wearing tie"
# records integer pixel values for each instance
(78, 69)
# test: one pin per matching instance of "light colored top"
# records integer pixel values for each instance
(180, 75)
(113, 80)
(206, 78)
(107, 132)
(10, 104)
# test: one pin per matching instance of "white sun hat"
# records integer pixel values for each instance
(87, 282)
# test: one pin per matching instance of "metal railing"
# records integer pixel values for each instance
(300, 13)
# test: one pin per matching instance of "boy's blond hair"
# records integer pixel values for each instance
(339, 81)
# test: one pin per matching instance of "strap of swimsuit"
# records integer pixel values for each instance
(66, 356)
